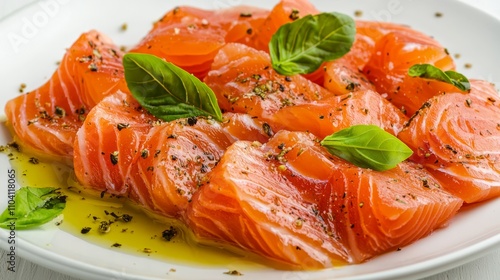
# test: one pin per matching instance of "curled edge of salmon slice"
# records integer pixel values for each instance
(109, 141)
(456, 137)
(284, 12)
(46, 119)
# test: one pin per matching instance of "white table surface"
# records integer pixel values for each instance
(485, 268)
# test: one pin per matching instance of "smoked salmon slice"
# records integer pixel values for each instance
(456, 137)
(288, 200)
(180, 154)
(393, 55)
(109, 141)
(123, 150)
(46, 119)
(177, 156)
(345, 74)
(330, 115)
(244, 82)
(191, 37)
(376, 212)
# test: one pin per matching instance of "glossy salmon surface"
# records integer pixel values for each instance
(393, 55)
(292, 201)
(457, 137)
(46, 119)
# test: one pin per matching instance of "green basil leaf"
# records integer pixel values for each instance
(429, 71)
(167, 91)
(367, 146)
(33, 207)
(300, 47)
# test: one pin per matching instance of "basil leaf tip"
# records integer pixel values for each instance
(367, 146)
(300, 47)
(32, 207)
(167, 91)
(429, 71)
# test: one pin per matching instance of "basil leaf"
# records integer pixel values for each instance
(33, 207)
(167, 91)
(300, 47)
(429, 71)
(367, 146)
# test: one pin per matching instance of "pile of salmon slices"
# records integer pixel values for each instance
(259, 179)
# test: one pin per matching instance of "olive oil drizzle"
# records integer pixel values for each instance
(140, 233)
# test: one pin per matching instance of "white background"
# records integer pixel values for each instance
(485, 268)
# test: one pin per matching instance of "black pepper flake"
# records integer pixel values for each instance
(294, 14)
(249, 31)
(116, 245)
(425, 183)
(22, 87)
(144, 153)
(288, 79)
(245, 14)
(33, 160)
(351, 86)
(192, 121)
(209, 156)
(169, 233)
(358, 13)
(114, 157)
(438, 14)
(121, 126)
(233, 273)
(448, 147)
(60, 112)
(204, 168)
(105, 227)
(399, 249)
(93, 67)
(85, 230)
(157, 152)
(126, 218)
(267, 129)
(14, 146)
(468, 102)
(281, 87)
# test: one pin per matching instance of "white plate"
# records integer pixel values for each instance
(34, 38)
